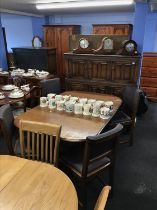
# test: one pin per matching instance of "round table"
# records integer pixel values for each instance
(26, 184)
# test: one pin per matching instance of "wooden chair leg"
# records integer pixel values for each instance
(111, 178)
(10, 147)
(84, 194)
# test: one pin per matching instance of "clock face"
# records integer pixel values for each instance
(108, 44)
(130, 47)
(84, 44)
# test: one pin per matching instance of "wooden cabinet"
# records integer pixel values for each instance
(149, 75)
(113, 29)
(101, 73)
(57, 36)
(35, 58)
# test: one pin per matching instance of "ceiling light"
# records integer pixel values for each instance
(52, 1)
(84, 4)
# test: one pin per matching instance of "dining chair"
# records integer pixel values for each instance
(32, 97)
(8, 130)
(97, 155)
(50, 86)
(126, 115)
(18, 81)
(102, 199)
(30, 100)
(40, 141)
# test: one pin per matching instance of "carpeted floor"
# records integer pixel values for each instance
(136, 169)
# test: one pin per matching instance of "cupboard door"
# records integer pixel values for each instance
(50, 36)
(63, 34)
(58, 37)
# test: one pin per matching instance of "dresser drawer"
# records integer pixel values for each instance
(151, 92)
(149, 61)
(149, 72)
(148, 82)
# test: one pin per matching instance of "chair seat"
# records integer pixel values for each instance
(75, 161)
(120, 117)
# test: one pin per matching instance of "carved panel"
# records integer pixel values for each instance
(105, 74)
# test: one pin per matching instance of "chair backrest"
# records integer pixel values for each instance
(100, 146)
(34, 97)
(7, 126)
(102, 199)
(40, 141)
(50, 86)
(18, 81)
(130, 97)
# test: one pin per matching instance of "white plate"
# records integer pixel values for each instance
(16, 96)
(27, 75)
(8, 87)
(4, 72)
(2, 97)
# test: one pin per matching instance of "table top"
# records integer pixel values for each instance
(8, 100)
(75, 128)
(26, 184)
(34, 77)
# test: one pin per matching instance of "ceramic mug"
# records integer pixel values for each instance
(78, 108)
(66, 97)
(83, 100)
(96, 110)
(104, 112)
(60, 105)
(74, 99)
(69, 106)
(91, 101)
(100, 103)
(58, 97)
(52, 103)
(51, 95)
(43, 101)
(109, 104)
(87, 109)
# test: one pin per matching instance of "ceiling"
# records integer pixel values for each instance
(28, 6)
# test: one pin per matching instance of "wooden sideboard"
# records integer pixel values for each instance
(101, 73)
(113, 29)
(149, 75)
(57, 36)
(35, 58)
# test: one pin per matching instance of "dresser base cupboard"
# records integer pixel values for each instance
(57, 36)
(149, 75)
(101, 73)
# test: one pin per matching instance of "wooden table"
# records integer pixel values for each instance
(8, 100)
(33, 80)
(74, 128)
(26, 184)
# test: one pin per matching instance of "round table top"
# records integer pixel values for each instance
(27, 184)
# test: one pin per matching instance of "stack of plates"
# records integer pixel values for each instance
(8, 87)
(16, 94)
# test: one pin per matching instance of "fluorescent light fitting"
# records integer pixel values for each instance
(84, 4)
(53, 1)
